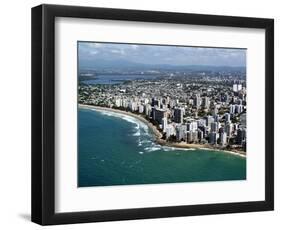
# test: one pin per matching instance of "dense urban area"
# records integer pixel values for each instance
(197, 107)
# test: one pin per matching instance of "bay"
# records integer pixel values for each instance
(117, 78)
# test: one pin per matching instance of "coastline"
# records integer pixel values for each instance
(158, 134)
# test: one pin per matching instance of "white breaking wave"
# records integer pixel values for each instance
(137, 134)
(168, 148)
(139, 124)
(152, 148)
(142, 131)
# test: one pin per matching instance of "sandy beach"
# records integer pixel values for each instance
(158, 134)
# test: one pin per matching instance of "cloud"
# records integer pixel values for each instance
(94, 52)
(135, 47)
(118, 51)
(155, 54)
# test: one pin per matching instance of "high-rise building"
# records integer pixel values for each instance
(213, 138)
(197, 101)
(209, 120)
(181, 132)
(191, 126)
(227, 98)
(200, 135)
(133, 106)
(215, 110)
(148, 110)
(155, 102)
(223, 138)
(145, 101)
(178, 115)
(170, 130)
(158, 114)
(239, 101)
(239, 87)
(204, 131)
(164, 124)
(232, 109)
(217, 118)
(189, 137)
(172, 103)
(241, 136)
(194, 135)
(214, 127)
(244, 145)
(205, 102)
(229, 129)
(141, 108)
(118, 102)
(227, 117)
(238, 108)
(224, 97)
(166, 100)
(125, 103)
(201, 123)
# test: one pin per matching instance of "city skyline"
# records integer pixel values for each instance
(159, 54)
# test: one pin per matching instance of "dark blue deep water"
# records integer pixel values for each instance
(116, 149)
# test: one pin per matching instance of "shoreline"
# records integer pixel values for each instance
(158, 134)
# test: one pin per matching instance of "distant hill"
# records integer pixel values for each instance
(120, 64)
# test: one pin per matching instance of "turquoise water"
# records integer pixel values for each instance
(117, 149)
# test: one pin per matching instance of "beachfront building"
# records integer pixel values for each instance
(141, 108)
(223, 138)
(170, 131)
(181, 132)
(192, 126)
(158, 114)
(178, 115)
(200, 135)
(214, 127)
(241, 136)
(192, 136)
(229, 129)
(213, 137)
(164, 124)
(133, 106)
(148, 110)
(118, 102)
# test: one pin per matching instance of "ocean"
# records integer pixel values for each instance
(116, 149)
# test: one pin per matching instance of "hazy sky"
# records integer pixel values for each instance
(153, 54)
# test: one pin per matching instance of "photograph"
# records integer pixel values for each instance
(153, 114)
(142, 113)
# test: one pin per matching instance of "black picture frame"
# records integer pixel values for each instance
(43, 114)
